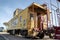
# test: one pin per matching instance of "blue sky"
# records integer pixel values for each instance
(7, 8)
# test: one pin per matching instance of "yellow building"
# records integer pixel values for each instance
(31, 17)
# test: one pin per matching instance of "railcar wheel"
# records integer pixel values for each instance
(41, 35)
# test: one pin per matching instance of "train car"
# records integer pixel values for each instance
(32, 21)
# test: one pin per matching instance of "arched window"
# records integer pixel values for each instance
(24, 22)
(20, 18)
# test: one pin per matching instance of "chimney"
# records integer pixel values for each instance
(17, 11)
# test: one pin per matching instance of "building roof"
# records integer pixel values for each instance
(38, 5)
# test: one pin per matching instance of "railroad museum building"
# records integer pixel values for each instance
(34, 16)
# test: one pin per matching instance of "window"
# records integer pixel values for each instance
(31, 15)
(20, 18)
(15, 22)
(24, 22)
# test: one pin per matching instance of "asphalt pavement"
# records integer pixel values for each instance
(6, 36)
(2, 38)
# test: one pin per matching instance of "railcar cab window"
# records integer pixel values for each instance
(15, 22)
(31, 15)
(20, 18)
(24, 22)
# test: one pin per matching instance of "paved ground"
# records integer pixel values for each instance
(6, 36)
(2, 38)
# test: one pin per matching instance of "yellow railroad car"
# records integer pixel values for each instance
(31, 21)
